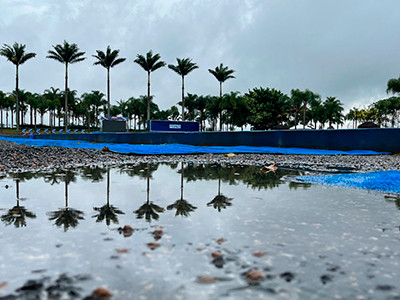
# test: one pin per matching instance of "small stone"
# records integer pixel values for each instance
(326, 278)
(288, 276)
(157, 234)
(101, 293)
(127, 230)
(153, 246)
(122, 250)
(205, 279)
(384, 287)
(254, 277)
(220, 241)
(259, 254)
(216, 254)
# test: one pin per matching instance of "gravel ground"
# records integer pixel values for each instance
(20, 158)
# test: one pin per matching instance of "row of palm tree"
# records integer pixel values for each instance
(67, 54)
(259, 108)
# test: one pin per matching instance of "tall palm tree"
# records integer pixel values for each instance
(221, 73)
(184, 66)
(108, 60)
(16, 54)
(150, 63)
(66, 54)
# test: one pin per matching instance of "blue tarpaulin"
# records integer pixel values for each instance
(181, 148)
(384, 181)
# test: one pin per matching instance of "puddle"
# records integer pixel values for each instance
(184, 231)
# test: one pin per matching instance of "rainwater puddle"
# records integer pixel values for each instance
(196, 232)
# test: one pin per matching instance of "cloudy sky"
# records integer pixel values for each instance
(343, 48)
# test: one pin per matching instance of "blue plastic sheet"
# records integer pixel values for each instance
(180, 148)
(384, 181)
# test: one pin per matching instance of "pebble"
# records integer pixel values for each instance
(16, 158)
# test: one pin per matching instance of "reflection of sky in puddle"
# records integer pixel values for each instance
(332, 240)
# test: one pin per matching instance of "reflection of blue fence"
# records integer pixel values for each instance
(158, 125)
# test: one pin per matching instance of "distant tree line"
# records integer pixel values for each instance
(259, 108)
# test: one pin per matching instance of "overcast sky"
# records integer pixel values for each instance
(343, 48)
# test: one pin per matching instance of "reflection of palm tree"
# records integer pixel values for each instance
(148, 210)
(182, 206)
(107, 212)
(67, 217)
(220, 201)
(18, 214)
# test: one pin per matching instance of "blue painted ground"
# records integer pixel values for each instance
(181, 148)
(384, 181)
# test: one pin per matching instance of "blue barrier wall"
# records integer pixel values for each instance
(159, 125)
(377, 139)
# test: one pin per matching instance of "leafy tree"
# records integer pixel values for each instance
(267, 108)
(16, 54)
(333, 108)
(190, 101)
(53, 95)
(393, 86)
(2, 106)
(66, 54)
(184, 67)
(316, 113)
(222, 74)
(108, 60)
(150, 63)
(201, 106)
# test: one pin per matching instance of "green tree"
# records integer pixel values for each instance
(184, 67)
(149, 63)
(268, 108)
(53, 95)
(222, 74)
(108, 60)
(334, 111)
(66, 54)
(2, 106)
(393, 86)
(16, 54)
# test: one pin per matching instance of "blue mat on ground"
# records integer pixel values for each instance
(180, 148)
(384, 181)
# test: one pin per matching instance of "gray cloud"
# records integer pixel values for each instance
(347, 49)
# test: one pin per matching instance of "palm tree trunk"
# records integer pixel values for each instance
(66, 98)
(183, 98)
(108, 187)
(148, 96)
(220, 98)
(16, 95)
(66, 191)
(108, 91)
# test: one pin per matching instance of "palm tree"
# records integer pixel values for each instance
(66, 54)
(184, 67)
(221, 73)
(107, 212)
(52, 95)
(150, 63)
(16, 54)
(108, 60)
(182, 206)
(2, 106)
(393, 86)
(333, 109)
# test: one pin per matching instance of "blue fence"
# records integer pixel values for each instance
(376, 139)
